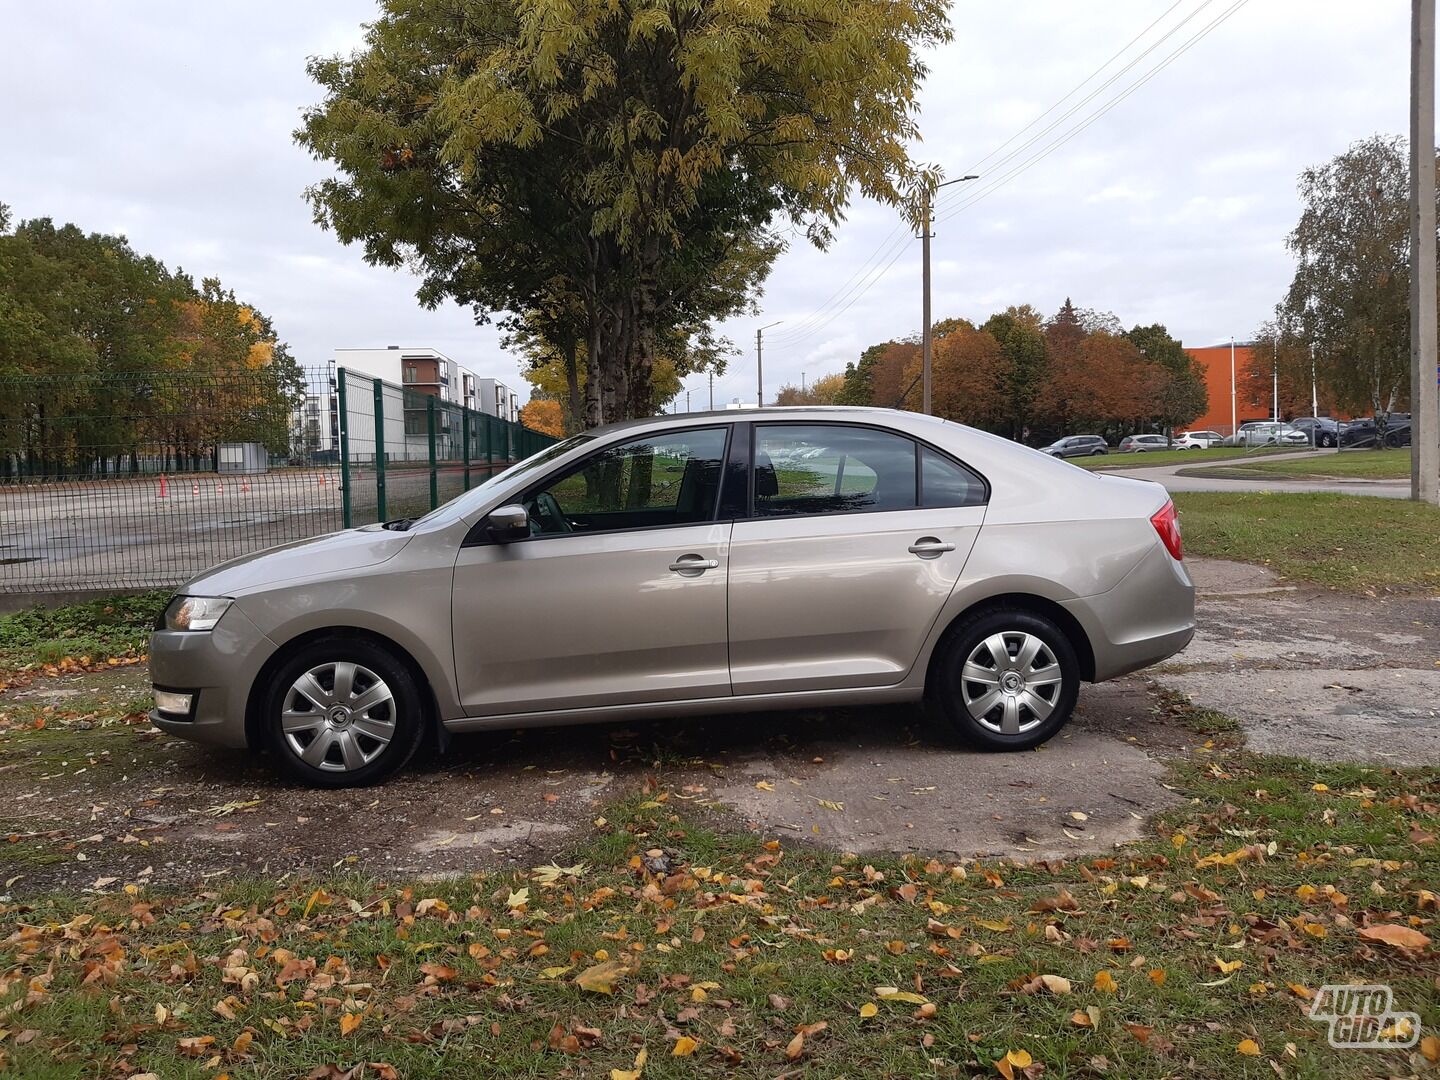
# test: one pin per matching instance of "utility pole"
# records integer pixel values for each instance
(1424, 372)
(712, 391)
(1234, 427)
(925, 342)
(802, 382)
(760, 365)
(1275, 379)
(687, 401)
(1315, 406)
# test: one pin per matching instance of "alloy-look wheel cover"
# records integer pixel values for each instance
(338, 717)
(1011, 682)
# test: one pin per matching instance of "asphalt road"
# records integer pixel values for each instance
(1169, 475)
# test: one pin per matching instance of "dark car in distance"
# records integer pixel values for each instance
(1321, 430)
(1363, 432)
(1077, 446)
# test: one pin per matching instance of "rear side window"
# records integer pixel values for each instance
(831, 469)
(945, 483)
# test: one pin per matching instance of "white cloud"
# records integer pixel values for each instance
(171, 122)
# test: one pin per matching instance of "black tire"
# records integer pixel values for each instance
(405, 713)
(948, 687)
(1096, 452)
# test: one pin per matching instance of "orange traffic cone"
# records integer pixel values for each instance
(164, 492)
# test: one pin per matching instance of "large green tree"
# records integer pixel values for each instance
(1350, 297)
(1019, 331)
(627, 149)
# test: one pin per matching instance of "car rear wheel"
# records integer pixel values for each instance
(343, 713)
(1007, 679)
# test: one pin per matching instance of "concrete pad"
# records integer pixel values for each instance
(1383, 716)
(1084, 791)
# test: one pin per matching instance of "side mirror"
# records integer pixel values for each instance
(507, 523)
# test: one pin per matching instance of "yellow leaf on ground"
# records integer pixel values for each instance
(764, 785)
(868, 1010)
(891, 993)
(1430, 1048)
(349, 1022)
(795, 1047)
(1105, 982)
(684, 1046)
(1248, 1047)
(601, 978)
(631, 1074)
(1055, 984)
(1227, 966)
(1157, 976)
(1021, 1059)
(1402, 937)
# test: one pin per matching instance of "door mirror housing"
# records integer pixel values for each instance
(507, 523)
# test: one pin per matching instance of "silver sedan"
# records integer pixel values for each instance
(687, 565)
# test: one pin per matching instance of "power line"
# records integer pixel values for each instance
(893, 246)
(1001, 181)
(815, 322)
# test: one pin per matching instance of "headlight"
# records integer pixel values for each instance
(195, 612)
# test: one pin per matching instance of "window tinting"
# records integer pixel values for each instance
(830, 468)
(944, 483)
(669, 479)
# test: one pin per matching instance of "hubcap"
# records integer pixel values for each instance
(338, 717)
(1011, 682)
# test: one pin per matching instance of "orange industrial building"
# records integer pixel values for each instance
(1252, 389)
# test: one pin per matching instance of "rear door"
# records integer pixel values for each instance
(854, 540)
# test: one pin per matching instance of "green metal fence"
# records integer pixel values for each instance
(146, 479)
(403, 452)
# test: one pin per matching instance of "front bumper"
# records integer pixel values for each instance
(218, 666)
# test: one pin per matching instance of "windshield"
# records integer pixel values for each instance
(458, 506)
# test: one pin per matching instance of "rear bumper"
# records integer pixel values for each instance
(218, 666)
(1147, 617)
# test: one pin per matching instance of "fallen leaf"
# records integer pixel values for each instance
(891, 993)
(1248, 1047)
(684, 1046)
(1157, 976)
(1401, 937)
(1429, 1048)
(349, 1022)
(631, 1074)
(601, 978)
(1105, 982)
(1055, 984)
(868, 1010)
(795, 1047)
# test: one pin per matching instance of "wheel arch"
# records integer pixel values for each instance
(254, 720)
(1039, 605)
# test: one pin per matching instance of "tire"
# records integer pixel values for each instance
(1096, 453)
(342, 745)
(959, 699)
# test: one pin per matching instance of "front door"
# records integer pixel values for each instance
(618, 594)
(856, 538)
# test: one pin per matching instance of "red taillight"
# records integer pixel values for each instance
(1167, 524)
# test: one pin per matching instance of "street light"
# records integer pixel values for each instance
(925, 284)
(760, 366)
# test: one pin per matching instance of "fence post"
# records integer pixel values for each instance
(489, 448)
(430, 431)
(379, 448)
(465, 440)
(345, 513)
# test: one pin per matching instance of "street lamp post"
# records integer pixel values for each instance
(925, 343)
(760, 365)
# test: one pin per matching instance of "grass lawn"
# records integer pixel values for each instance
(1177, 457)
(92, 632)
(1345, 541)
(1195, 951)
(1351, 465)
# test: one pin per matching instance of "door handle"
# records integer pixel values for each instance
(693, 565)
(930, 547)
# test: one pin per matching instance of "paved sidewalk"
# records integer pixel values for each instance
(1170, 476)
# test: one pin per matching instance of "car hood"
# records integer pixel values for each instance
(333, 553)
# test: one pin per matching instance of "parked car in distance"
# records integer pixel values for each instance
(1138, 444)
(1267, 433)
(1077, 446)
(1198, 440)
(1361, 433)
(1319, 430)
(667, 568)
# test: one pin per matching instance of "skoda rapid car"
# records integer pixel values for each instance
(683, 565)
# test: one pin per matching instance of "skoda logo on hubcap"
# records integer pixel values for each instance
(338, 715)
(1011, 682)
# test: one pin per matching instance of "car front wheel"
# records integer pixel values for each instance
(343, 713)
(1007, 679)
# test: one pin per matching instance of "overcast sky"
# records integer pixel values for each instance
(171, 123)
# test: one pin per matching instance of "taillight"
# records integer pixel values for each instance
(1167, 524)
